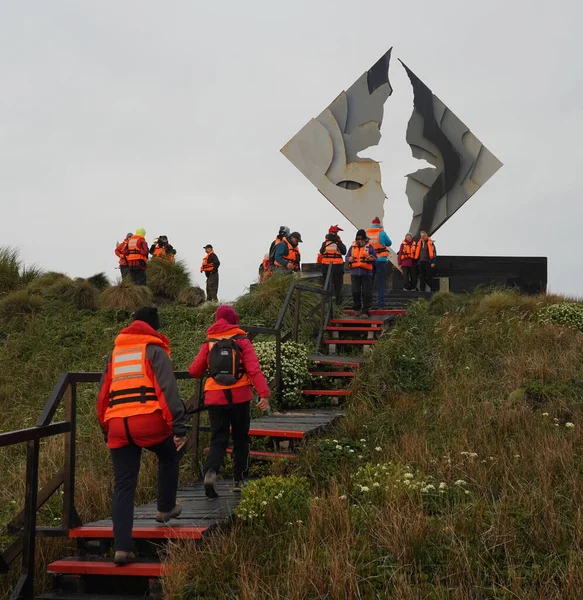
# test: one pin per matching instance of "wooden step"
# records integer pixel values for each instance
(81, 566)
(173, 531)
(326, 393)
(282, 433)
(332, 374)
(351, 329)
(350, 342)
(363, 322)
(263, 454)
(381, 312)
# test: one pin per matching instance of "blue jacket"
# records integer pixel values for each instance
(385, 240)
(359, 270)
(280, 252)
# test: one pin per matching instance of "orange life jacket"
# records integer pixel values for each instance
(120, 250)
(210, 383)
(134, 252)
(207, 266)
(430, 247)
(161, 252)
(409, 249)
(132, 391)
(374, 236)
(293, 255)
(266, 267)
(331, 254)
(359, 256)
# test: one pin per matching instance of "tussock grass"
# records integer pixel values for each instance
(167, 279)
(193, 296)
(126, 295)
(13, 273)
(19, 302)
(42, 283)
(444, 302)
(79, 293)
(99, 281)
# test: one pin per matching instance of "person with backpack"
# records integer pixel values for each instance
(287, 254)
(331, 253)
(232, 368)
(139, 406)
(284, 231)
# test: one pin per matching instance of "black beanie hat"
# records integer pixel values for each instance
(361, 233)
(148, 314)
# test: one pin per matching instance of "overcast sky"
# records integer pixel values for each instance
(169, 115)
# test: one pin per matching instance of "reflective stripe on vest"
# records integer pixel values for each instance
(359, 254)
(374, 236)
(207, 266)
(210, 384)
(132, 391)
(134, 252)
(331, 254)
(293, 255)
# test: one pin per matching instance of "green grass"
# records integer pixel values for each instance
(14, 274)
(166, 279)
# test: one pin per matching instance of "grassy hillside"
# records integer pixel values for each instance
(455, 474)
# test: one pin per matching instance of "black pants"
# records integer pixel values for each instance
(361, 292)
(137, 275)
(212, 286)
(337, 276)
(125, 275)
(126, 467)
(425, 274)
(224, 417)
(410, 277)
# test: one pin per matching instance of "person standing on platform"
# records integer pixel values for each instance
(408, 263)
(360, 258)
(331, 253)
(137, 255)
(381, 243)
(210, 267)
(287, 254)
(139, 406)
(425, 255)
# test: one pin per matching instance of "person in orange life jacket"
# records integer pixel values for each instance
(283, 232)
(229, 405)
(425, 255)
(381, 243)
(360, 258)
(137, 256)
(265, 268)
(287, 254)
(331, 253)
(139, 406)
(408, 263)
(162, 249)
(120, 253)
(210, 267)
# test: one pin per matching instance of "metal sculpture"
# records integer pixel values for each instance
(326, 149)
(462, 163)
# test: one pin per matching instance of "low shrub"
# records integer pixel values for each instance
(127, 296)
(99, 281)
(192, 296)
(442, 303)
(167, 279)
(19, 302)
(569, 314)
(274, 501)
(294, 369)
(42, 283)
(78, 293)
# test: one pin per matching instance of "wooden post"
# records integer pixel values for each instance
(296, 321)
(199, 398)
(70, 517)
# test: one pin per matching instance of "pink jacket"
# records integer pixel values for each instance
(250, 363)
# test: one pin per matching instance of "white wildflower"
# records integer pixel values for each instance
(338, 447)
(363, 440)
(569, 425)
(409, 476)
(343, 497)
(364, 488)
(442, 485)
(545, 414)
(460, 482)
(378, 448)
(376, 484)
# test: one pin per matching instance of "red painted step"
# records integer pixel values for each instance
(356, 322)
(157, 532)
(77, 566)
(263, 454)
(350, 329)
(332, 374)
(326, 392)
(282, 433)
(380, 312)
(351, 342)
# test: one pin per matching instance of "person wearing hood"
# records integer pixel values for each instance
(120, 252)
(229, 404)
(331, 253)
(360, 258)
(408, 263)
(381, 243)
(137, 255)
(287, 254)
(139, 406)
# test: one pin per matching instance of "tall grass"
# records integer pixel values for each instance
(127, 296)
(13, 273)
(167, 279)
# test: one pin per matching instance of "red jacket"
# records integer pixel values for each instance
(410, 261)
(250, 363)
(151, 429)
(119, 252)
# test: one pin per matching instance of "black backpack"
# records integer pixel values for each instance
(224, 362)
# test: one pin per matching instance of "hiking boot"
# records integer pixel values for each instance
(210, 482)
(122, 558)
(238, 485)
(357, 314)
(164, 517)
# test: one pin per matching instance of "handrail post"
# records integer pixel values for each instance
(198, 400)
(25, 587)
(296, 322)
(70, 517)
(278, 386)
